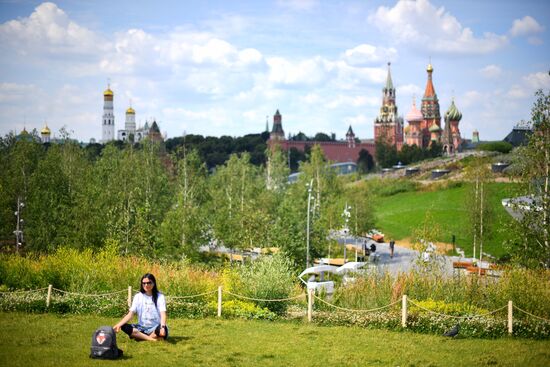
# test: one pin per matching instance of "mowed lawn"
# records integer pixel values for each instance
(398, 215)
(53, 340)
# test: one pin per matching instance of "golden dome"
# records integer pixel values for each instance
(131, 111)
(429, 69)
(108, 92)
(45, 131)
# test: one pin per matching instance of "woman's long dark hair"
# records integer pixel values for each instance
(151, 277)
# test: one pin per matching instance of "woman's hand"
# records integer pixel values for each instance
(116, 328)
(162, 331)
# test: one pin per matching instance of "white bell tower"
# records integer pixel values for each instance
(108, 125)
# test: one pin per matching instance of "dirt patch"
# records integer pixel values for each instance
(442, 247)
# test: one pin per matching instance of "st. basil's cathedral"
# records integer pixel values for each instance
(424, 127)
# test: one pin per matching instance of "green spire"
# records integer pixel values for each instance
(389, 84)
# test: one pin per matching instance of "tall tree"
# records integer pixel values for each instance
(238, 219)
(183, 228)
(277, 170)
(477, 205)
(532, 245)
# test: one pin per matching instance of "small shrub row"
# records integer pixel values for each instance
(35, 302)
(481, 327)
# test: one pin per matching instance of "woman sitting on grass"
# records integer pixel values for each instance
(150, 306)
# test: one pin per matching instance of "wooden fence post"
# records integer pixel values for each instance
(220, 301)
(49, 295)
(310, 304)
(510, 311)
(129, 296)
(404, 311)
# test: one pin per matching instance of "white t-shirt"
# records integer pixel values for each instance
(148, 314)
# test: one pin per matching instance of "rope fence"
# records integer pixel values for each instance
(267, 300)
(311, 298)
(457, 317)
(356, 310)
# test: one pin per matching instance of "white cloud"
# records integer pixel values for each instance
(517, 92)
(13, 92)
(491, 71)
(540, 80)
(471, 98)
(309, 71)
(525, 26)
(49, 30)
(358, 120)
(410, 90)
(421, 24)
(215, 51)
(365, 53)
(352, 101)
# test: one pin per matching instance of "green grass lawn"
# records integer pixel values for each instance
(399, 214)
(52, 340)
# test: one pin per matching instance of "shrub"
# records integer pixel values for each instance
(389, 187)
(496, 146)
(270, 277)
(452, 308)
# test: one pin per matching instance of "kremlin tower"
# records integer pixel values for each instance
(431, 125)
(277, 133)
(108, 125)
(387, 126)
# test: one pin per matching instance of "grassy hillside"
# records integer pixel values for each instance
(399, 214)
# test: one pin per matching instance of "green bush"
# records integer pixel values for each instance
(496, 146)
(270, 277)
(390, 187)
(483, 327)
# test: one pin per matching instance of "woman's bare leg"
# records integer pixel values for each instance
(136, 334)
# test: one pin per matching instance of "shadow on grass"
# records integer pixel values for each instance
(177, 339)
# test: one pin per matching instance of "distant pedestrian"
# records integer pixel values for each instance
(392, 247)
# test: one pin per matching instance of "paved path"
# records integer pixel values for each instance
(404, 259)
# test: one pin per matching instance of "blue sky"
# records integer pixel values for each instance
(221, 67)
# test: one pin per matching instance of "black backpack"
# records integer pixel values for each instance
(104, 344)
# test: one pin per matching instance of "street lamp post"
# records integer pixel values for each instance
(310, 186)
(346, 214)
(18, 227)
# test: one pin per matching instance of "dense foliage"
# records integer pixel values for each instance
(144, 201)
(495, 146)
(387, 154)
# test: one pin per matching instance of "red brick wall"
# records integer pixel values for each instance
(336, 151)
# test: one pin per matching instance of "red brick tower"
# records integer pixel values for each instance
(388, 126)
(277, 133)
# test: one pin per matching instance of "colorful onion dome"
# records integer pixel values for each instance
(130, 111)
(414, 114)
(108, 92)
(453, 114)
(45, 131)
(434, 128)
